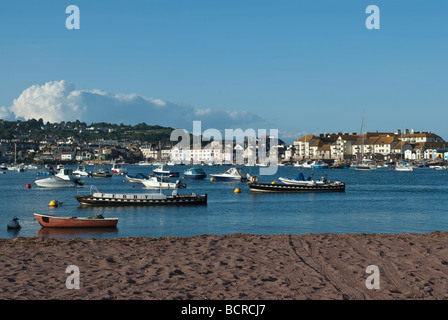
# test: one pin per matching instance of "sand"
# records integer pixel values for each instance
(230, 267)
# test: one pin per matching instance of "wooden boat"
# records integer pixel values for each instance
(310, 186)
(96, 221)
(140, 199)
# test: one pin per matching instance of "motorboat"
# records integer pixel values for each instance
(96, 221)
(195, 173)
(118, 169)
(81, 171)
(62, 179)
(144, 163)
(319, 164)
(100, 173)
(365, 165)
(233, 174)
(159, 183)
(139, 177)
(163, 170)
(403, 167)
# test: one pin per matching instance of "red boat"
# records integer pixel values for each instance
(97, 221)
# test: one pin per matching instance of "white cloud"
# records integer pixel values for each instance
(57, 101)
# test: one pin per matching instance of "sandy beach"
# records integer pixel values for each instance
(230, 267)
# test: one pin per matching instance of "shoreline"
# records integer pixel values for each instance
(411, 266)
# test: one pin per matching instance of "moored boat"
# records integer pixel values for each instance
(309, 186)
(194, 173)
(319, 164)
(139, 177)
(97, 221)
(160, 183)
(117, 168)
(163, 170)
(140, 199)
(62, 179)
(233, 174)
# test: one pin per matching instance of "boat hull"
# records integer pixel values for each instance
(226, 179)
(47, 221)
(135, 200)
(195, 176)
(268, 187)
(52, 183)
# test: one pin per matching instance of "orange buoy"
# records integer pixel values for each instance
(28, 186)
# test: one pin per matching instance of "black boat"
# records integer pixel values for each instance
(140, 199)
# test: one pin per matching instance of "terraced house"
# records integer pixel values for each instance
(379, 145)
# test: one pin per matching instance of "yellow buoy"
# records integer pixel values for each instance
(53, 203)
(212, 179)
(273, 182)
(237, 190)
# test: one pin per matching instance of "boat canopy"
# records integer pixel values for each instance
(300, 177)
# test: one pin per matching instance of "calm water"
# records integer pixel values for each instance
(381, 201)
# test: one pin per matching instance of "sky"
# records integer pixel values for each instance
(302, 67)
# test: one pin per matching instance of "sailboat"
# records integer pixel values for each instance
(364, 164)
(403, 166)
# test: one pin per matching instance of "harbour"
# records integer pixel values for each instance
(379, 201)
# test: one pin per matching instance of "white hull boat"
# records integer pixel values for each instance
(159, 183)
(63, 179)
(233, 174)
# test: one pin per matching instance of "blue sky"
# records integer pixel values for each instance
(297, 66)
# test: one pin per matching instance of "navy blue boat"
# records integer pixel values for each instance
(194, 173)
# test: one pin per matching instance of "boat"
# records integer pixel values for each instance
(62, 179)
(96, 221)
(144, 163)
(323, 185)
(233, 174)
(319, 164)
(403, 167)
(118, 169)
(194, 173)
(101, 173)
(164, 171)
(159, 182)
(97, 198)
(365, 165)
(81, 171)
(139, 177)
(3, 166)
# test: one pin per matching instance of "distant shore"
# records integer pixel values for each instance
(228, 267)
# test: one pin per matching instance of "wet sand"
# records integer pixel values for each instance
(230, 267)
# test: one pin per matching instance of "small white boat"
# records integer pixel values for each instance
(319, 164)
(63, 179)
(81, 171)
(159, 183)
(118, 169)
(365, 165)
(233, 174)
(403, 167)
